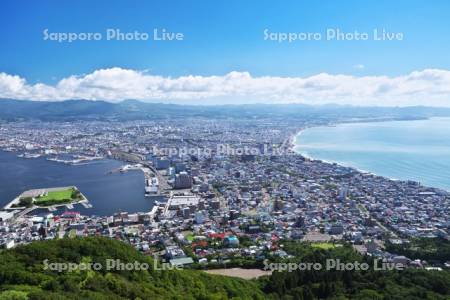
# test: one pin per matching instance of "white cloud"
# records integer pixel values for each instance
(428, 87)
(359, 67)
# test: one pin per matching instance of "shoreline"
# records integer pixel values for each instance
(294, 147)
(140, 203)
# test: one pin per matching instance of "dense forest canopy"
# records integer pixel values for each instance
(24, 275)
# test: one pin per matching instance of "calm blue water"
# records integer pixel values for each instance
(108, 193)
(407, 150)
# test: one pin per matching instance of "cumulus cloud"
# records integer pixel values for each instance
(427, 87)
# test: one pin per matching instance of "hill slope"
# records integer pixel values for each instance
(23, 275)
(72, 110)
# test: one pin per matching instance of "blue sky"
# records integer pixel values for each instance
(222, 37)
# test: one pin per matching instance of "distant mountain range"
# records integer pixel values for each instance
(70, 110)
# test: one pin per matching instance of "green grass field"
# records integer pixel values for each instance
(324, 246)
(55, 197)
(189, 236)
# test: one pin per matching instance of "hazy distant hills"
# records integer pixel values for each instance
(70, 110)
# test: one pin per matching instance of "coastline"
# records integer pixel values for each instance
(296, 148)
(87, 177)
(309, 157)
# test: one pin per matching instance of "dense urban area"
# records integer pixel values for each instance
(230, 191)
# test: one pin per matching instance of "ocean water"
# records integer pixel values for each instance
(408, 150)
(108, 193)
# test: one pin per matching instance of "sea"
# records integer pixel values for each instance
(108, 193)
(416, 150)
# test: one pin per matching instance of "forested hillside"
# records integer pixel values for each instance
(26, 273)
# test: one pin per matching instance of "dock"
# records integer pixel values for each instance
(86, 204)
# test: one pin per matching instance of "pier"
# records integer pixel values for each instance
(150, 173)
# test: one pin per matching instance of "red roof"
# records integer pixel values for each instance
(199, 244)
(217, 235)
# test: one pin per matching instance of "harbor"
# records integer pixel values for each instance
(155, 183)
(107, 193)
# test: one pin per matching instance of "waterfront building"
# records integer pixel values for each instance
(183, 181)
